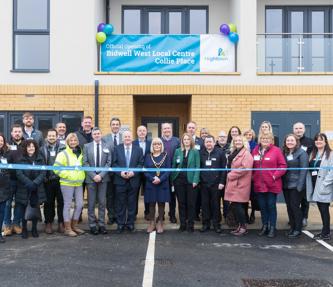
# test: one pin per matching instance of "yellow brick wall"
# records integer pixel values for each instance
(214, 107)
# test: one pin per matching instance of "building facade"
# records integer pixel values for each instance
(284, 65)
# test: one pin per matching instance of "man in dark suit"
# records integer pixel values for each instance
(191, 129)
(126, 155)
(144, 144)
(97, 154)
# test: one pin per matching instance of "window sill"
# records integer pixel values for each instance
(29, 71)
(168, 73)
(295, 74)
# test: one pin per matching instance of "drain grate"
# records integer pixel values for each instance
(160, 262)
(286, 283)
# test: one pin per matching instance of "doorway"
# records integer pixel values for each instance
(152, 111)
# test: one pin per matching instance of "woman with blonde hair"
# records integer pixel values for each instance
(185, 182)
(157, 184)
(251, 138)
(71, 183)
(265, 128)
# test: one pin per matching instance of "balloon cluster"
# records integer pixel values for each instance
(103, 30)
(230, 30)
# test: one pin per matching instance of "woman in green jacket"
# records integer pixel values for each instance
(185, 182)
(71, 183)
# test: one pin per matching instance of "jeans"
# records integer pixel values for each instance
(267, 203)
(8, 209)
(325, 217)
(2, 213)
(68, 192)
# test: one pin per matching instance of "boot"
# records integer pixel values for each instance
(151, 226)
(24, 232)
(48, 228)
(61, 228)
(159, 227)
(264, 230)
(68, 230)
(242, 231)
(271, 232)
(77, 230)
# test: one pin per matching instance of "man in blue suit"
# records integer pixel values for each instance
(144, 144)
(127, 156)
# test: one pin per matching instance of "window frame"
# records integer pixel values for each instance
(27, 32)
(165, 10)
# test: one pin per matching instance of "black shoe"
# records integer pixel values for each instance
(24, 233)
(291, 231)
(2, 240)
(102, 230)
(93, 230)
(34, 233)
(190, 229)
(320, 236)
(173, 219)
(204, 228)
(130, 228)
(217, 229)
(317, 236)
(295, 234)
(263, 230)
(120, 229)
(271, 232)
(182, 228)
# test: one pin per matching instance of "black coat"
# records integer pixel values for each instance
(27, 177)
(5, 190)
(119, 160)
(296, 179)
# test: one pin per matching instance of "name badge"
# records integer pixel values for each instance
(172, 189)
(208, 162)
(178, 160)
(13, 147)
(52, 153)
(304, 148)
(4, 160)
(213, 158)
(62, 142)
(267, 158)
(313, 173)
(106, 150)
(290, 157)
(256, 157)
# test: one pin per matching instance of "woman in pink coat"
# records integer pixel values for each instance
(238, 187)
(268, 183)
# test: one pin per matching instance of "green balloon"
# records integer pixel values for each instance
(100, 37)
(233, 27)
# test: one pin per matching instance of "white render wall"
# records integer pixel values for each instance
(74, 50)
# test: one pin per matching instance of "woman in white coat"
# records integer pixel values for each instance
(319, 185)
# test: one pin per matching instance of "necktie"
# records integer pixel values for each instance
(115, 140)
(98, 155)
(127, 157)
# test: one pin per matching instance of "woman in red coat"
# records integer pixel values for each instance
(268, 183)
(238, 187)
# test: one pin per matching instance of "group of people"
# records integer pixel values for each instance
(198, 192)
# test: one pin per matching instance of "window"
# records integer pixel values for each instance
(43, 120)
(31, 36)
(164, 20)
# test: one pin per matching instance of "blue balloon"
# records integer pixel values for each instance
(108, 29)
(233, 37)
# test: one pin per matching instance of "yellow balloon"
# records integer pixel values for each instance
(100, 37)
(233, 27)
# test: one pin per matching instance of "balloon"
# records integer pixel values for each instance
(233, 28)
(100, 27)
(233, 37)
(100, 37)
(108, 29)
(224, 29)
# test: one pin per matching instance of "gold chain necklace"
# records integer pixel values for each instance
(158, 164)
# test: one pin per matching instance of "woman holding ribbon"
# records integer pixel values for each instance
(157, 184)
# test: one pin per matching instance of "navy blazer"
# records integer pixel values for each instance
(148, 144)
(119, 160)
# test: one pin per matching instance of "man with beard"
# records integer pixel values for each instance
(29, 132)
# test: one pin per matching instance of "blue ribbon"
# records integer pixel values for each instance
(119, 169)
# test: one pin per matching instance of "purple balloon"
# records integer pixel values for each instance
(100, 27)
(225, 29)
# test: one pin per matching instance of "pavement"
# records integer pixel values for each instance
(179, 259)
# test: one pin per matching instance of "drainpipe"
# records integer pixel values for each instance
(107, 9)
(96, 102)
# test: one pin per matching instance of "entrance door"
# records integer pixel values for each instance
(282, 122)
(154, 125)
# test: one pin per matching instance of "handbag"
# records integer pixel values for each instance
(32, 213)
